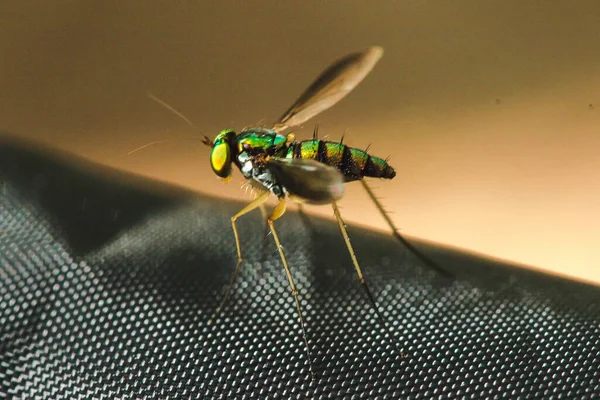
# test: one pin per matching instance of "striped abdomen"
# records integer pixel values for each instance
(353, 163)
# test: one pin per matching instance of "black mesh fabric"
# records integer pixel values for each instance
(108, 282)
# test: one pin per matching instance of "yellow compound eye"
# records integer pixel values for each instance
(220, 159)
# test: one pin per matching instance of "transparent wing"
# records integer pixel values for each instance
(309, 180)
(331, 86)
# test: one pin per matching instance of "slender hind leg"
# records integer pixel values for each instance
(258, 202)
(426, 260)
(265, 217)
(278, 212)
(363, 282)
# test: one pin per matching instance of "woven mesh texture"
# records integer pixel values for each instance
(107, 286)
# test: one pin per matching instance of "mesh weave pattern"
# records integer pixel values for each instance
(106, 291)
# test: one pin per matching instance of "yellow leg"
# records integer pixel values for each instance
(426, 260)
(258, 202)
(265, 216)
(363, 282)
(263, 211)
(278, 212)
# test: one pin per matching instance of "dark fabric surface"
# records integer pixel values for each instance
(108, 282)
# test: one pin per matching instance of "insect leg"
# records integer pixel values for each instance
(278, 212)
(265, 216)
(255, 203)
(363, 282)
(426, 260)
(263, 211)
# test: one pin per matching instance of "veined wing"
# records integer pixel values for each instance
(309, 180)
(331, 86)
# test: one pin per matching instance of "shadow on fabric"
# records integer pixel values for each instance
(108, 282)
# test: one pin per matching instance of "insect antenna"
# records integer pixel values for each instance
(170, 108)
(316, 132)
(164, 141)
(396, 232)
(206, 141)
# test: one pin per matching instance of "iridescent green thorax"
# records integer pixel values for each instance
(353, 163)
(258, 141)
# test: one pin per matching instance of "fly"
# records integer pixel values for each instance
(310, 171)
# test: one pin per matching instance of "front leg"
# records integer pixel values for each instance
(256, 203)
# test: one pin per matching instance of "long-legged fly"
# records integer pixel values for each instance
(311, 171)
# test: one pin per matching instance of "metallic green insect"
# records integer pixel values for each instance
(311, 171)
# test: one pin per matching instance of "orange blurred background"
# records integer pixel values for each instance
(487, 108)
